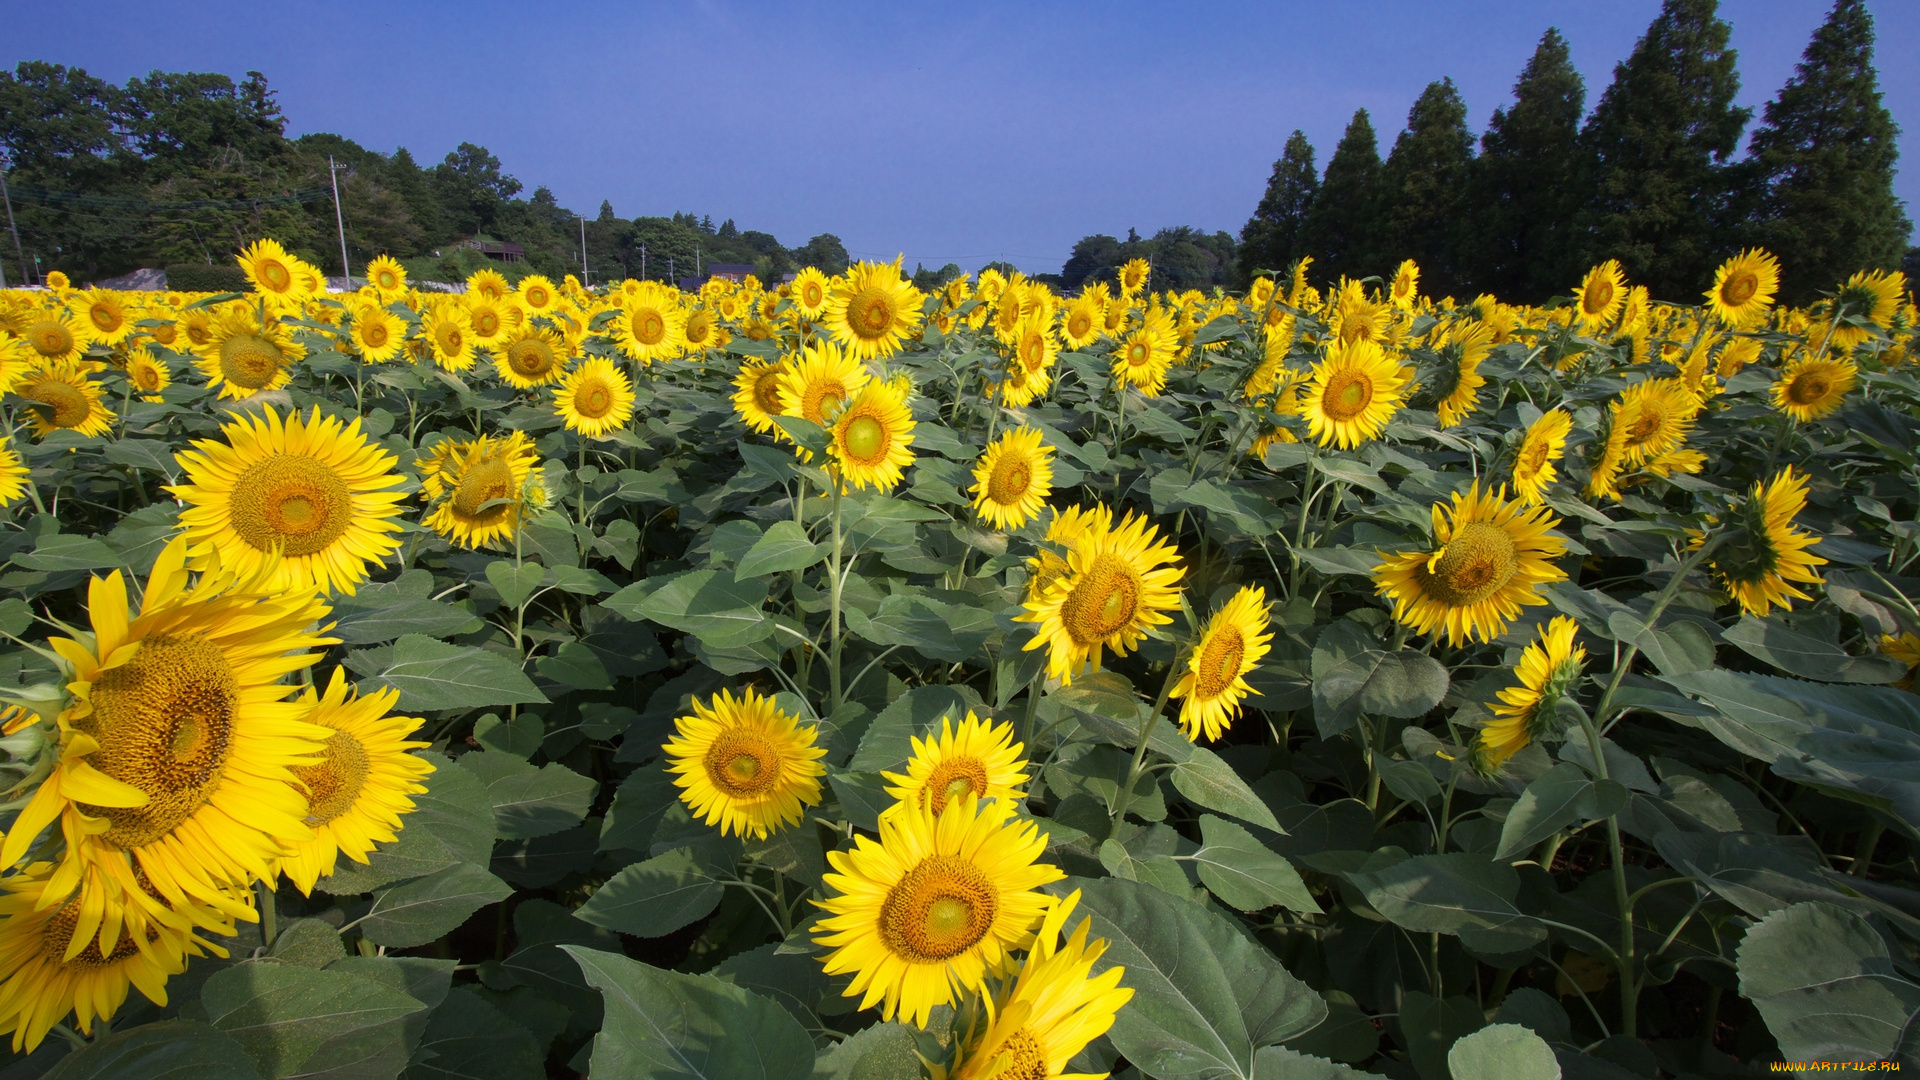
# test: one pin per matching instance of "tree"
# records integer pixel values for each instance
(1525, 182)
(1656, 148)
(470, 188)
(1421, 197)
(1338, 225)
(1273, 238)
(824, 251)
(1094, 258)
(1822, 162)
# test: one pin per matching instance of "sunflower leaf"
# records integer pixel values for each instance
(656, 897)
(433, 676)
(418, 911)
(666, 1025)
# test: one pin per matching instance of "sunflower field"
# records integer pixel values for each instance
(831, 680)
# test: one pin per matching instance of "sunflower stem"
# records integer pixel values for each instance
(269, 912)
(74, 1038)
(837, 581)
(1135, 770)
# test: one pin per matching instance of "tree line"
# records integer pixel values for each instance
(1650, 177)
(190, 167)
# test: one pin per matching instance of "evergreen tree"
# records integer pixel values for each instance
(1421, 199)
(1273, 237)
(1525, 196)
(1823, 161)
(1657, 147)
(1338, 230)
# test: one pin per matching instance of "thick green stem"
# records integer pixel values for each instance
(1134, 771)
(837, 580)
(269, 922)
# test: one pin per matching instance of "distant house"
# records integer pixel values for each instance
(734, 272)
(495, 249)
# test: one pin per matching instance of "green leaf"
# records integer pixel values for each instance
(1246, 873)
(434, 675)
(310, 943)
(68, 551)
(888, 742)
(1456, 893)
(1675, 649)
(711, 604)
(1351, 676)
(805, 434)
(1810, 658)
(1565, 794)
(418, 911)
(529, 802)
(656, 897)
(1347, 1034)
(520, 736)
(1281, 1063)
(665, 1025)
(574, 664)
(1336, 561)
(515, 584)
(468, 1039)
(793, 979)
(881, 1052)
(1503, 1052)
(389, 617)
(637, 805)
(282, 1015)
(452, 822)
(786, 546)
(152, 455)
(1210, 782)
(1206, 997)
(1431, 1026)
(168, 1050)
(1826, 985)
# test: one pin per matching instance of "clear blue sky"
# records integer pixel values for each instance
(962, 132)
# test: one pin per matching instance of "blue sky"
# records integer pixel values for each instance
(962, 132)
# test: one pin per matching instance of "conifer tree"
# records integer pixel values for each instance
(1422, 194)
(1823, 161)
(1656, 154)
(1525, 196)
(1274, 236)
(1339, 226)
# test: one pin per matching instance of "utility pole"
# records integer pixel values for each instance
(671, 280)
(585, 278)
(696, 260)
(12, 228)
(340, 222)
(643, 260)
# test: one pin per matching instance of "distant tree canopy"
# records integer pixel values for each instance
(1650, 178)
(189, 167)
(1181, 258)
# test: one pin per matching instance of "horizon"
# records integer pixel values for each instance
(1003, 134)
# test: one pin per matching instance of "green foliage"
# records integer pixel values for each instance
(1525, 191)
(187, 277)
(1273, 239)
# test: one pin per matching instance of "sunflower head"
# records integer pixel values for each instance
(64, 399)
(387, 277)
(1811, 387)
(532, 356)
(979, 759)
(1013, 478)
(1599, 296)
(1548, 670)
(1743, 288)
(872, 437)
(810, 289)
(480, 488)
(595, 398)
(1354, 392)
(275, 274)
(1405, 290)
(1533, 464)
(1491, 558)
(744, 765)
(872, 310)
(1119, 584)
(1214, 683)
(1762, 556)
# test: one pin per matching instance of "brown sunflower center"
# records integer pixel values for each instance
(250, 361)
(743, 763)
(1103, 602)
(766, 391)
(538, 297)
(1597, 297)
(1026, 1058)
(485, 480)
(1219, 662)
(823, 401)
(699, 328)
(866, 440)
(1739, 288)
(593, 400)
(486, 322)
(812, 294)
(57, 936)
(954, 778)
(375, 334)
(1809, 387)
(649, 327)
(164, 333)
(274, 274)
(1475, 564)
(1012, 475)
(1079, 322)
(334, 784)
(1347, 395)
(1033, 352)
(50, 337)
(531, 358)
(1532, 456)
(146, 377)
(106, 318)
(452, 341)
(870, 313)
(70, 405)
(938, 910)
(1138, 353)
(164, 721)
(292, 501)
(1645, 425)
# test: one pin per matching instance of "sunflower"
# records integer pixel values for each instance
(178, 744)
(531, 357)
(489, 319)
(14, 475)
(810, 290)
(1872, 295)
(1038, 1019)
(702, 331)
(872, 435)
(1544, 444)
(1906, 649)
(1133, 276)
(68, 400)
(744, 765)
(275, 275)
(1735, 357)
(1492, 557)
(488, 283)
(1763, 553)
(478, 488)
(1652, 418)
(54, 337)
(1811, 387)
(102, 316)
(1047, 566)
(57, 281)
(1548, 670)
(1404, 293)
(148, 374)
(979, 759)
(55, 966)
(1743, 288)
(245, 356)
(756, 395)
(1352, 394)
(1600, 294)
(307, 502)
(872, 310)
(1145, 355)
(1034, 346)
(651, 326)
(536, 291)
(1116, 589)
(449, 334)
(1215, 682)
(1466, 344)
(595, 398)
(378, 334)
(357, 792)
(1356, 318)
(387, 277)
(922, 915)
(1080, 326)
(1013, 478)
(198, 326)
(819, 382)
